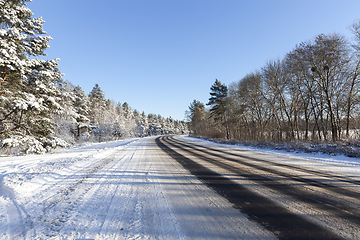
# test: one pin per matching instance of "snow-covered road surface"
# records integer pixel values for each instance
(131, 190)
(176, 188)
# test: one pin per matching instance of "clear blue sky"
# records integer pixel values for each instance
(160, 55)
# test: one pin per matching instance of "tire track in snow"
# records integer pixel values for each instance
(138, 209)
(16, 214)
(132, 216)
(94, 208)
(110, 209)
(59, 208)
(25, 213)
(73, 177)
(15, 218)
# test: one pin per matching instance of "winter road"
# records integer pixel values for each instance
(175, 188)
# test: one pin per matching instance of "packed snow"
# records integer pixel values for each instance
(126, 189)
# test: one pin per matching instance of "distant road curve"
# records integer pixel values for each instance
(292, 201)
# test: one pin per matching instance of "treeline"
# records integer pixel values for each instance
(312, 94)
(39, 111)
(92, 117)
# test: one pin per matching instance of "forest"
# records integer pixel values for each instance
(40, 111)
(310, 95)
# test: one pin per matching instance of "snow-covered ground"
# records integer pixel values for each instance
(126, 190)
(28, 183)
(119, 190)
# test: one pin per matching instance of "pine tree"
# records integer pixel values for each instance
(81, 103)
(28, 85)
(218, 104)
(97, 104)
(128, 121)
(154, 125)
(196, 116)
(143, 125)
(82, 110)
(98, 108)
(127, 111)
(110, 120)
(65, 119)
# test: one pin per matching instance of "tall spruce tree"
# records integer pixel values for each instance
(217, 101)
(28, 85)
(97, 104)
(82, 110)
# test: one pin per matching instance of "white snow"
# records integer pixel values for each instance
(125, 190)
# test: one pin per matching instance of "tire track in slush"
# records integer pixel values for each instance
(280, 221)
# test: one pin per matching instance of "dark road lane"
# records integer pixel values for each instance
(286, 181)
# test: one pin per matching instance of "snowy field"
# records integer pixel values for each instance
(127, 189)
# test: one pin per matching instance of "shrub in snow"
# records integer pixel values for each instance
(54, 143)
(85, 136)
(21, 145)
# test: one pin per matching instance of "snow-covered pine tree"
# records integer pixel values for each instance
(110, 119)
(182, 127)
(65, 118)
(81, 104)
(119, 124)
(142, 125)
(128, 119)
(98, 106)
(161, 121)
(127, 111)
(28, 85)
(170, 124)
(82, 110)
(152, 127)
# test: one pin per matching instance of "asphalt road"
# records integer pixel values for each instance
(292, 201)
